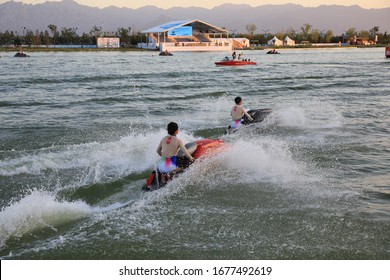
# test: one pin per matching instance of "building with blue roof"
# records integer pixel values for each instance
(189, 35)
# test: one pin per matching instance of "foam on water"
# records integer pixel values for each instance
(261, 159)
(38, 210)
(309, 115)
(116, 153)
(102, 161)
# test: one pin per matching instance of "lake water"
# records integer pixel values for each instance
(78, 139)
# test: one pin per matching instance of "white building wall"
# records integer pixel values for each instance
(108, 42)
(218, 44)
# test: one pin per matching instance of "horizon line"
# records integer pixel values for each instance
(192, 6)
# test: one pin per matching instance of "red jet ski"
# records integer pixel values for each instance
(198, 149)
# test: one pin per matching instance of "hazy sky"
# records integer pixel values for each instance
(212, 3)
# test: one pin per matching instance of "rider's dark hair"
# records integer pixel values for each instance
(172, 127)
(237, 100)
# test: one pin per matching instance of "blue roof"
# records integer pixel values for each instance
(167, 26)
(175, 24)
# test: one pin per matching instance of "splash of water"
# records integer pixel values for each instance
(36, 211)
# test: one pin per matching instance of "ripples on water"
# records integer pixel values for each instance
(79, 133)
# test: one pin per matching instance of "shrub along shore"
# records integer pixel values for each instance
(126, 49)
(65, 49)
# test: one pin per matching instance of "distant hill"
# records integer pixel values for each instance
(14, 16)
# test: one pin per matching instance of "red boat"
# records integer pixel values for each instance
(234, 62)
(387, 52)
(198, 149)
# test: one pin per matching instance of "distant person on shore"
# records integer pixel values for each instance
(237, 113)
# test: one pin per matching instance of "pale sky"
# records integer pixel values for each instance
(368, 4)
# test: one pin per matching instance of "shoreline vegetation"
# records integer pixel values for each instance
(126, 39)
(127, 49)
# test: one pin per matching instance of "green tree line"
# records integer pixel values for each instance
(309, 34)
(69, 36)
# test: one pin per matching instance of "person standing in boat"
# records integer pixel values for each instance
(234, 55)
(168, 148)
(237, 113)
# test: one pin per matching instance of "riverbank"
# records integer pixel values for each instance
(313, 46)
(65, 49)
(84, 49)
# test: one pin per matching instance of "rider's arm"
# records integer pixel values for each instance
(246, 113)
(184, 149)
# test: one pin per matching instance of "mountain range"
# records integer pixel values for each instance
(16, 16)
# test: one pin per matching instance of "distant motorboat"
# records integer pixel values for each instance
(165, 53)
(273, 52)
(235, 63)
(21, 54)
(227, 62)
